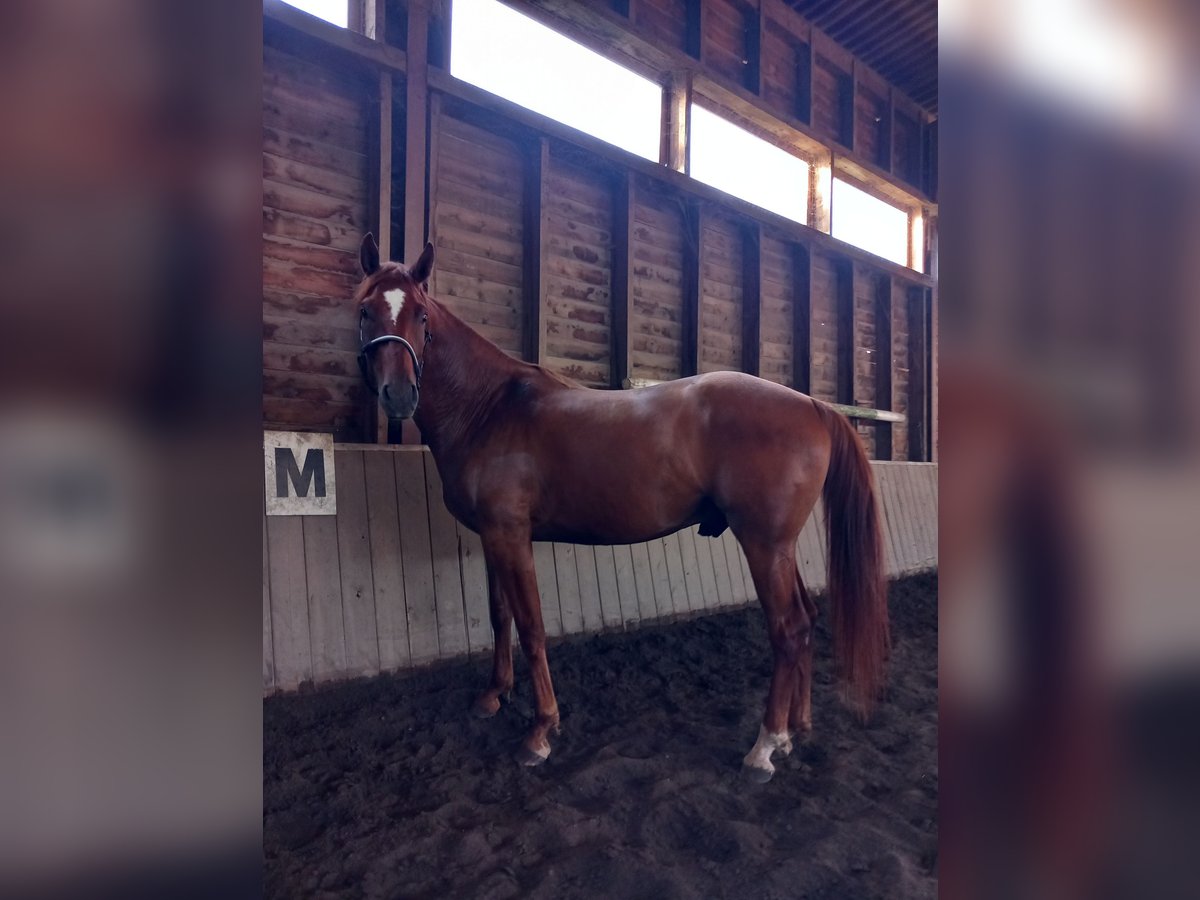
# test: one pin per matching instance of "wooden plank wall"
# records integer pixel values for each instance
(824, 340)
(663, 21)
(577, 254)
(720, 295)
(477, 198)
(315, 210)
(393, 581)
(728, 24)
(657, 285)
(777, 286)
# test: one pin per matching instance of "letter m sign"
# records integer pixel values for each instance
(299, 470)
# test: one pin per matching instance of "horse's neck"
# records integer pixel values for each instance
(464, 376)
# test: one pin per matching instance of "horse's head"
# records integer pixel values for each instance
(393, 327)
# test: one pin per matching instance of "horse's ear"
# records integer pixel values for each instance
(368, 254)
(423, 267)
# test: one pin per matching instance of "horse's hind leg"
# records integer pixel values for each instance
(800, 717)
(773, 566)
(488, 703)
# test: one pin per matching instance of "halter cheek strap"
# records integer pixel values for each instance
(364, 362)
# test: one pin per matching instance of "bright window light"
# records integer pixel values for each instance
(335, 11)
(739, 163)
(868, 222)
(496, 48)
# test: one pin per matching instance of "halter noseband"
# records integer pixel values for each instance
(365, 365)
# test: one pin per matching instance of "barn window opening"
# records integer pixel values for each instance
(335, 11)
(732, 159)
(500, 50)
(865, 221)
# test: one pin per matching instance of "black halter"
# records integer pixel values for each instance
(364, 362)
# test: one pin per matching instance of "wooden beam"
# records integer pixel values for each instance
(386, 168)
(695, 29)
(622, 278)
(844, 271)
(693, 266)
(883, 362)
(931, 299)
(801, 319)
(676, 121)
(755, 24)
(383, 430)
(751, 298)
(889, 161)
(820, 194)
(439, 33)
(918, 360)
(804, 82)
(847, 87)
(537, 168)
(416, 129)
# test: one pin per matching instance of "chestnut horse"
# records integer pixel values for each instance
(526, 455)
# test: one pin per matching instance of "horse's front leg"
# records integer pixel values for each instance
(501, 684)
(511, 559)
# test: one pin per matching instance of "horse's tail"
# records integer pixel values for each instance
(857, 590)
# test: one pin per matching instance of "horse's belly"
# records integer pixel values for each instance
(626, 517)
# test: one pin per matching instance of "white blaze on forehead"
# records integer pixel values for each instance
(395, 300)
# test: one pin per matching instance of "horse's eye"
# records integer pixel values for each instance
(362, 313)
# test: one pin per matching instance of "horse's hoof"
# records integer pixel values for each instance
(529, 758)
(757, 775)
(482, 709)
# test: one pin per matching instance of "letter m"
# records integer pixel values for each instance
(286, 469)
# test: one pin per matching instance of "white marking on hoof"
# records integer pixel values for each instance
(395, 300)
(759, 756)
(527, 757)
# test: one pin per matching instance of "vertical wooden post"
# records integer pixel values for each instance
(883, 363)
(694, 34)
(918, 359)
(380, 130)
(693, 264)
(847, 90)
(889, 139)
(931, 240)
(417, 128)
(804, 80)
(537, 169)
(820, 193)
(676, 121)
(755, 22)
(416, 159)
(801, 318)
(439, 34)
(844, 270)
(622, 279)
(752, 298)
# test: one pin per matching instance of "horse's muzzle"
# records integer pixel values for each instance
(399, 399)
